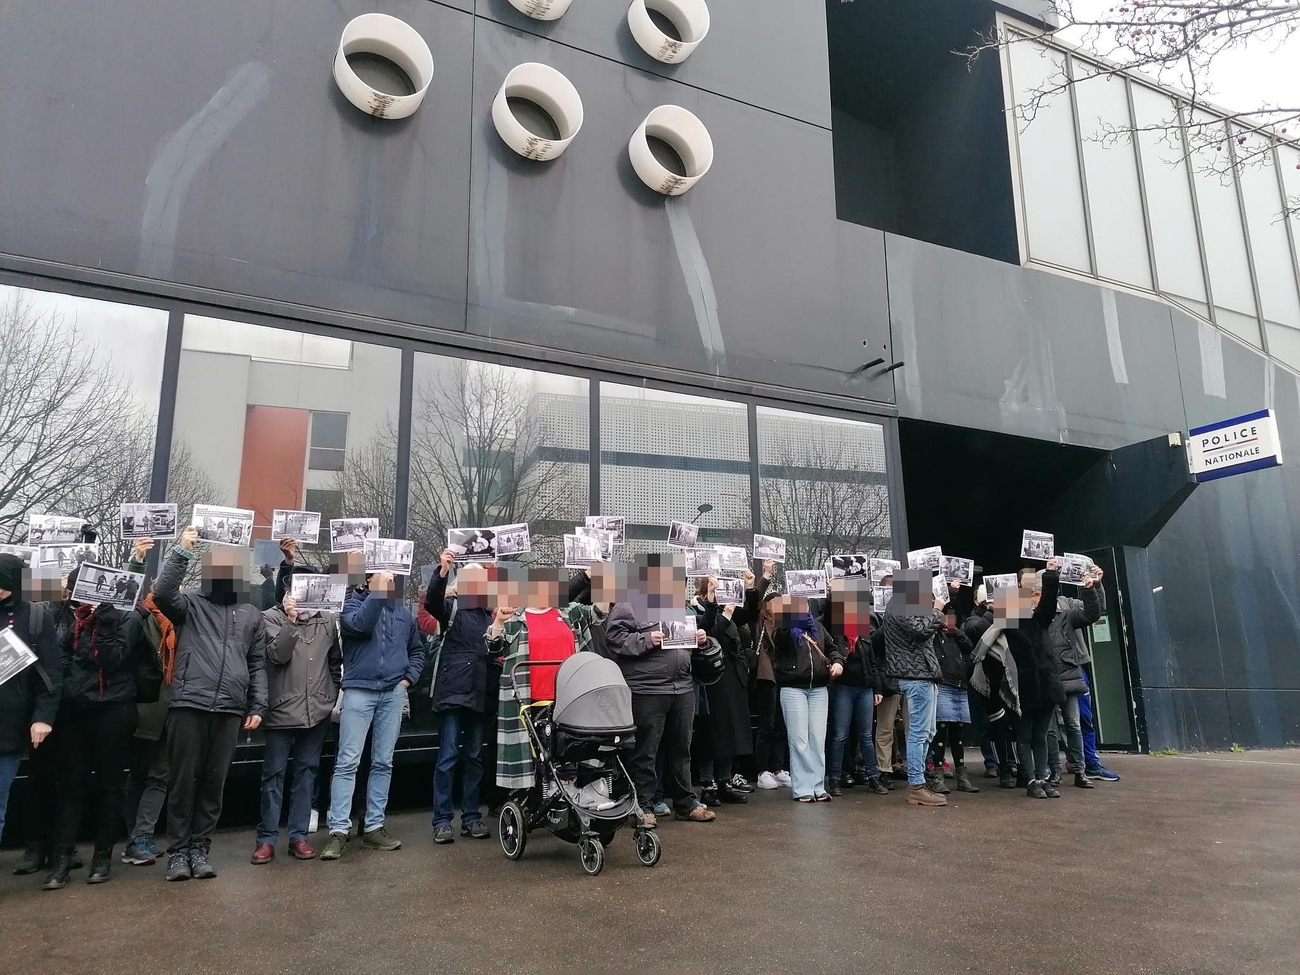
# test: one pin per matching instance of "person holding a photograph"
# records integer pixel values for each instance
(1070, 650)
(769, 734)
(219, 688)
(952, 714)
(304, 661)
(383, 656)
(662, 684)
(725, 726)
(908, 628)
(853, 698)
(29, 701)
(804, 661)
(460, 694)
(97, 719)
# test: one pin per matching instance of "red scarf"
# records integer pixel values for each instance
(85, 625)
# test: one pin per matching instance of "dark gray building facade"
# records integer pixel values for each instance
(198, 163)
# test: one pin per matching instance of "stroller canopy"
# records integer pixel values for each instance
(591, 696)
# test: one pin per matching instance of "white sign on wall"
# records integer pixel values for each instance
(1245, 443)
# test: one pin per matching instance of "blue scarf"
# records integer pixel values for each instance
(800, 624)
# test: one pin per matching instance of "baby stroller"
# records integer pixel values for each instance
(583, 793)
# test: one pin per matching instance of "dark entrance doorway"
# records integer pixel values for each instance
(974, 492)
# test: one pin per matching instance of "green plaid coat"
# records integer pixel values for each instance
(515, 763)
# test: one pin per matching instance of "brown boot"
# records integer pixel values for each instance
(920, 795)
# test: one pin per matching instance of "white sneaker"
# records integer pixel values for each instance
(768, 781)
(783, 778)
(315, 821)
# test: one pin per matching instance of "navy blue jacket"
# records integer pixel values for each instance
(462, 678)
(381, 643)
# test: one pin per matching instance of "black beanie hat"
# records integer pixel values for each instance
(11, 573)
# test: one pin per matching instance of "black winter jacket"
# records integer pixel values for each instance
(885, 685)
(646, 668)
(909, 645)
(100, 665)
(799, 663)
(220, 650)
(462, 677)
(1040, 683)
(954, 650)
(33, 694)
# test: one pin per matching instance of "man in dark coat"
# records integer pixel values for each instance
(1069, 648)
(219, 687)
(29, 701)
(460, 694)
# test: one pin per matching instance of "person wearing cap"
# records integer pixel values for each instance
(29, 701)
(383, 656)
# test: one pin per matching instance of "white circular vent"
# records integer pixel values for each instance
(542, 9)
(671, 150)
(687, 19)
(537, 111)
(380, 36)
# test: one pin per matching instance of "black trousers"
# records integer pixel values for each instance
(41, 797)
(770, 740)
(200, 745)
(667, 718)
(93, 737)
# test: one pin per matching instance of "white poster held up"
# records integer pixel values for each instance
(389, 555)
(732, 558)
(730, 592)
(15, 655)
(301, 526)
(102, 584)
(148, 520)
(223, 526)
(769, 548)
(809, 583)
(957, 569)
(311, 590)
(580, 551)
(610, 523)
(926, 558)
(606, 538)
(682, 534)
(53, 529)
(678, 634)
(350, 534)
(1074, 568)
(512, 540)
(1037, 546)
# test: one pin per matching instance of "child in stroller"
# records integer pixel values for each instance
(583, 793)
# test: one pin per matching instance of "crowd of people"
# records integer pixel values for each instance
(142, 709)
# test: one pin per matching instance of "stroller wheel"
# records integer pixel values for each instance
(592, 852)
(512, 830)
(648, 847)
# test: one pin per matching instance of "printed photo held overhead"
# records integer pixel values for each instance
(809, 583)
(730, 592)
(223, 526)
(147, 520)
(580, 551)
(701, 562)
(512, 540)
(606, 538)
(325, 593)
(682, 534)
(102, 584)
(732, 558)
(65, 557)
(389, 555)
(1037, 546)
(610, 523)
(926, 558)
(472, 544)
(350, 534)
(301, 526)
(769, 548)
(53, 529)
(847, 566)
(956, 569)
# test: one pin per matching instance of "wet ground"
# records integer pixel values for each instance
(1190, 865)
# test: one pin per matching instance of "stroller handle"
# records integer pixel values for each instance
(514, 686)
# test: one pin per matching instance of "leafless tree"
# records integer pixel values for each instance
(823, 498)
(1179, 44)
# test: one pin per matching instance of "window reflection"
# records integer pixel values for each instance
(79, 385)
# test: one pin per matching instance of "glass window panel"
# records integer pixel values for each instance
(1289, 160)
(1114, 196)
(494, 445)
(1169, 200)
(1245, 327)
(1284, 344)
(1049, 162)
(1269, 246)
(823, 486)
(329, 430)
(669, 457)
(1216, 196)
(79, 399)
(244, 429)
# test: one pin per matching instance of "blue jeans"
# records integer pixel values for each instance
(304, 744)
(8, 769)
(922, 697)
(1031, 735)
(451, 750)
(805, 709)
(361, 710)
(1088, 730)
(849, 704)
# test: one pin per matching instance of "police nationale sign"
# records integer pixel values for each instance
(1246, 443)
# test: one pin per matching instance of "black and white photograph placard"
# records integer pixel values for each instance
(882, 568)
(223, 526)
(610, 523)
(512, 540)
(1037, 546)
(1074, 568)
(769, 548)
(926, 558)
(1006, 580)
(730, 592)
(682, 534)
(147, 520)
(25, 552)
(301, 526)
(956, 569)
(102, 584)
(848, 566)
(701, 562)
(580, 551)
(606, 538)
(15, 655)
(66, 557)
(53, 529)
(809, 583)
(880, 597)
(678, 634)
(389, 555)
(472, 544)
(312, 590)
(350, 534)
(732, 558)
